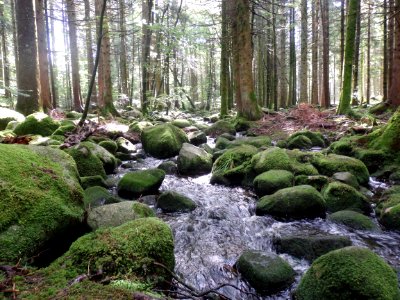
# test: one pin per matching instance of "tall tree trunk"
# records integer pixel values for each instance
(315, 70)
(368, 94)
(385, 51)
(283, 60)
(224, 60)
(242, 48)
(122, 60)
(390, 44)
(303, 56)
(292, 76)
(394, 92)
(45, 93)
(6, 65)
(89, 49)
(73, 41)
(342, 36)
(104, 74)
(67, 77)
(355, 95)
(325, 94)
(15, 39)
(28, 70)
(147, 6)
(49, 58)
(345, 98)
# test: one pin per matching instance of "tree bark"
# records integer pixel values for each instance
(355, 96)
(123, 61)
(315, 70)
(325, 94)
(89, 49)
(394, 92)
(292, 75)
(6, 66)
(28, 70)
(224, 60)
(345, 99)
(303, 56)
(147, 6)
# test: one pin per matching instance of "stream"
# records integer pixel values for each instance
(209, 240)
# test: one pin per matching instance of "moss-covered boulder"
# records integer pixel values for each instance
(90, 181)
(256, 141)
(181, 123)
(221, 127)
(271, 181)
(347, 178)
(316, 139)
(37, 123)
(139, 183)
(340, 196)
(127, 250)
(331, 164)
(193, 160)
(62, 130)
(299, 202)
(373, 159)
(197, 138)
(271, 159)
(342, 147)
(169, 167)
(40, 198)
(299, 142)
(163, 141)
(347, 274)
(389, 212)
(353, 220)
(88, 164)
(110, 145)
(98, 196)
(310, 247)
(233, 167)
(171, 202)
(125, 146)
(316, 181)
(266, 272)
(138, 127)
(116, 214)
(8, 115)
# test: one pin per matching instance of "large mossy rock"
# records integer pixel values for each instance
(389, 210)
(256, 141)
(37, 123)
(197, 138)
(316, 181)
(98, 196)
(40, 198)
(347, 178)
(310, 247)
(331, 164)
(131, 249)
(299, 142)
(299, 202)
(110, 146)
(347, 274)
(340, 196)
(163, 141)
(272, 181)
(140, 183)
(314, 139)
(116, 214)
(220, 127)
(271, 159)
(233, 167)
(171, 202)
(8, 115)
(194, 161)
(353, 220)
(266, 272)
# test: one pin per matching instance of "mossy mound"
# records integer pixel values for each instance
(271, 181)
(340, 196)
(347, 178)
(40, 197)
(174, 202)
(138, 127)
(347, 274)
(193, 160)
(98, 196)
(127, 250)
(331, 164)
(271, 159)
(163, 141)
(110, 146)
(256, 141)
(116, 214)
(310, 247)
(197, 138)
(266, 272)
(88, 164)
(316, 181)
(139, 183)
(169, 167)
(62, 130)
(181, 123)
(299, 202)
(73, 115)
(125, 146)
(353, 220)
(342, 147)
(219, 128)
(373, 159)
(233, 167)
(37, 123)
(8, 115)
(316, 138)
(299, 142)
(389, 211)
(90, 181)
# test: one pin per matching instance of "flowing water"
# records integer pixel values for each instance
(209, 240)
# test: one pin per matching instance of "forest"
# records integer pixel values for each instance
(183, 149)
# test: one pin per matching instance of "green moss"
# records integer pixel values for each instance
(194, 161)
(353, 220)
(388, 139)
(271, 181)
(139, 183)
(331, 164)
(266, 272)
(41, 196)
(37, 123)
(138, 127)
(142, 210)
(163, 141)
(220, 127)
(347, 274)
(73, 115)
(340, 196)
(310, 247)
(97, 196)
(88, 164)
(271, 159)
(90, 181)
(316, 181)
(110, 146)
(62, 130)
(389, 211)
(173, 202)
(316, 138)
(299, 142)
(181, 123)
(256, 141)
(373, 159)
(342, 147)
(8, 115)
(299, 202)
